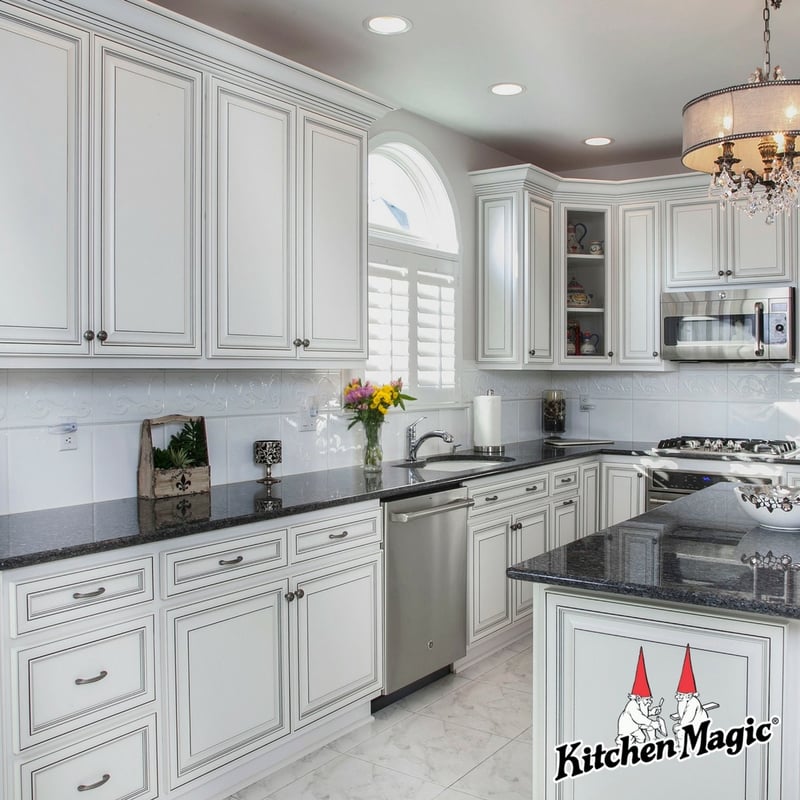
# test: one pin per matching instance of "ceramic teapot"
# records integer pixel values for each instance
(589, 343)
(576, 294)
(575, 237)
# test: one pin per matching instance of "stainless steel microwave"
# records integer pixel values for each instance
(728, 325)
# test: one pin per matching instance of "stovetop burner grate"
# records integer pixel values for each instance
(716, 446)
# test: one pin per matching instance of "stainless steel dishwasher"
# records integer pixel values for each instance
(426, 584)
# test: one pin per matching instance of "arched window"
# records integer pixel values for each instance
(413, 271)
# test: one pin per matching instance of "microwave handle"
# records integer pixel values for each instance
(759, 307)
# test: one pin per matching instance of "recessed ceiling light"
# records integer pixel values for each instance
(506, 89)
(598, 141)
(387, 25)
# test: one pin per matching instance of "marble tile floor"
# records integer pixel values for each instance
(465, 737)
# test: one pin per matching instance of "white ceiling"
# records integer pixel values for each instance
(619, 68)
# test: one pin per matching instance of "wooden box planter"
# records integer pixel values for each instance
(175, 481)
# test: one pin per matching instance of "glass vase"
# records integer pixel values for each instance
(373, 450)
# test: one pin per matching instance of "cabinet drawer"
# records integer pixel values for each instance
(565, 480)
(533, 487)
(68, 684)
(75, 595)
(334, 534)
(196, 567)
(119, 765)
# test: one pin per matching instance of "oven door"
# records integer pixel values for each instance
(665, 485)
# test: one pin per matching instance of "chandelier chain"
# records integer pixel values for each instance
(767, 59)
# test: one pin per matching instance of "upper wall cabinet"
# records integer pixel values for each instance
(708, 245)
(515, 263)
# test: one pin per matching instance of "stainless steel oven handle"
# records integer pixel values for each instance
(409, 516)
(759, 352)
(652, 502)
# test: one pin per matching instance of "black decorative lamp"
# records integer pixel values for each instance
(267, 452)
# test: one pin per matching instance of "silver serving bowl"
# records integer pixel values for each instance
(775, 507)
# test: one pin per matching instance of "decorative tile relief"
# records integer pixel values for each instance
(611, 385)
(789, 385)
(753, 385)
(129, 395)
(196, 392)
(704, 384)
(254, 392)
(48, 398)
(656, 385)
(319, 388)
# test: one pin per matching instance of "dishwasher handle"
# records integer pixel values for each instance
(410, 516)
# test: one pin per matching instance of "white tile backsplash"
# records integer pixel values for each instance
(241, 406)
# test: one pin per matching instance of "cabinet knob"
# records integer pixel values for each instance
(729, 272)
(655, 353)
(306, 343)
(102, 336)
(610, 353)
(299, 594)
(297, 342)
(531, 352)
(721, 273)
(88, 335)
(289, 596)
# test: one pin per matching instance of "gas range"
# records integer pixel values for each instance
(728, 449)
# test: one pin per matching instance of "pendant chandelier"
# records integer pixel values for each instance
(745, 137)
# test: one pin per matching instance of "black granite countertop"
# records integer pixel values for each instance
(38, 536)
(696, 550)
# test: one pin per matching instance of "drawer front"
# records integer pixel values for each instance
(68, 684)
(332, 535)
(194, 568)
(565, 480)
(75, 595)
(487, 497)
(120, 765)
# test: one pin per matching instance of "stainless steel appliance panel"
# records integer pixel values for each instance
(426, 584)
(665, 485)
(728, 325)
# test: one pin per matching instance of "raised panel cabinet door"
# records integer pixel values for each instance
(497, 280)
(566, 521)
(539, 346)
(638, 287)
(43, 190)
(757, 250)
(339, 637)
(228, 684)
(333, 240)
(622, 495)
(251, 223)
(147, 204)
(694, 246)
(489, 607)
(590, 499)
(529, 537)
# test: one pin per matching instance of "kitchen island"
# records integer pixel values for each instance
(684, 607)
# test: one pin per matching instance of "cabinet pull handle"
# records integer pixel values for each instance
(88, 335)
(337, 535)
(533, 488)
(299, 594)
(84, 681)
(289, 596)
(86, 787)
(87, 595)
(231, 561)
(565, 480)
(491, 499)
(567, 502)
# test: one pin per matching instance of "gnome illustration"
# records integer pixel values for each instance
(690, 710)
(638, 720)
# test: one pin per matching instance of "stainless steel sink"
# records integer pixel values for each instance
(456, 463)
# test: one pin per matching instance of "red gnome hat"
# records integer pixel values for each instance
(640, 685)
(686, 684)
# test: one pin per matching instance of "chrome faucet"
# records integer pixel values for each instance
(414, 443)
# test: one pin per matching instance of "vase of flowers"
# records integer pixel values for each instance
(370, 404)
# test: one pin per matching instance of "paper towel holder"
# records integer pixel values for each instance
(490, 450)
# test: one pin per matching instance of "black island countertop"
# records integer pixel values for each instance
(700, 550)
(35, 537)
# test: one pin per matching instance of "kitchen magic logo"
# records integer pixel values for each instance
(642, 734)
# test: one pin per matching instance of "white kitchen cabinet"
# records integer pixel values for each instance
(590, 498)
(566, 521)
(44, 202)
(622, 493)
(515, 255)
(146, 204)
(709, 246)
(489, 591)
(530, 536)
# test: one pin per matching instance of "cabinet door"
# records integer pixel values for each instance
(529, 537)
(566, 521)
(539, 325)
(757, 250)
(147, 200)
(43, 203)
(637, 318)
(490, 590)
(497, 280)
(590, 499)
(694, 244)
(622, 493)
(339, 637)
(251, 223)
(333, 240)
(227, 678)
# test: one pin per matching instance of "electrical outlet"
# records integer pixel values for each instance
(68, 441)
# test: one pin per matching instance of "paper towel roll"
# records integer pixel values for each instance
(487, 421)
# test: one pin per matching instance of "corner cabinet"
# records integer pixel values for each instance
(515, 256)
